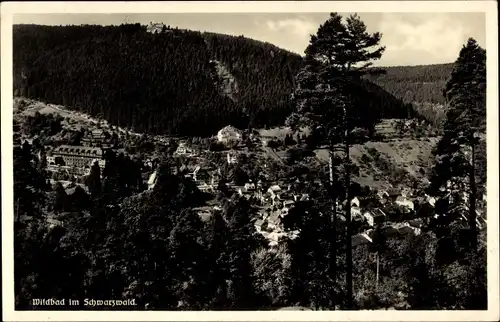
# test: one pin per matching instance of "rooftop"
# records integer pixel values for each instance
(78, 150)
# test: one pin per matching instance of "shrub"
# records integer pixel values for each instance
(274, 143)
(365, 158)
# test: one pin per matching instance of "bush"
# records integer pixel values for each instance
(273, 144)
(365, 159)
(216, 146)
(296, 155)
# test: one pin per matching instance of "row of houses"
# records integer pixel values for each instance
(276, 202)
(396, 229)
(416, 208)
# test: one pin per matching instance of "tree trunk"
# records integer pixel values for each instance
(333, 218)
(18, 215)
(348, 216)
(472, 196)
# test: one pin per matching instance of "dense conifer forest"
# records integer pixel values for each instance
(415, 84)
(167, 82)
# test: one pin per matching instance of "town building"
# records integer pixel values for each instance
(355, 212)
(184, 149)
(287, 205)
(355, 202)
(229, 134)
(51, 159)
(405, 203)
(152, 180)
(95, 138)
(430, 200)
(249, 186)
(78, 156)
(375, 216)
(232, 157)
(258, 225)
(407, 229)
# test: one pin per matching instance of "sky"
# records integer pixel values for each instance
(410, 38)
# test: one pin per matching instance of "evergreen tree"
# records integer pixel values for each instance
(337, 57)
(239, 248)
(30, 184)
(61, 200)
(465, 93)
(94, 180)
(315, 268)
(378, 246)
(218, 261)
(191, 275)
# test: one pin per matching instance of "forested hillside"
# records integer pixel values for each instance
(164, 83)
(415, 84)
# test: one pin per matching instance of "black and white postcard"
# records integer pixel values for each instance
(230, 161)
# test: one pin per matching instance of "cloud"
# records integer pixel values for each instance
(434, 39)
(299, 27)
(410, 38)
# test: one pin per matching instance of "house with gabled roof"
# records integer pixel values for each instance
(274, 189)
(258, 224)
(374, 216)
(383, 195)
(273, 221)
(184, 149)
(405, 229)
(356, 212)
(152, 180)
(405, 203)
(250, 186)
(355, 202)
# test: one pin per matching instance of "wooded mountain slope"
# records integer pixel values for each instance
(167, 82)
(415, 84)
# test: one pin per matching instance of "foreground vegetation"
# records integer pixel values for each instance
(153, 248)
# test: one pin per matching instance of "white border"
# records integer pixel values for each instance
(10, 8)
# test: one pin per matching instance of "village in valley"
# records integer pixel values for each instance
(399, 210)
(194, 170)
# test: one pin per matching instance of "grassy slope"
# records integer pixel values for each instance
(398, 159)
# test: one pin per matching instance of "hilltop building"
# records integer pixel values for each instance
(155, 28)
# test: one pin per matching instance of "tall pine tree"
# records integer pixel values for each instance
(94, 180)
(337, 57)
(454, 175)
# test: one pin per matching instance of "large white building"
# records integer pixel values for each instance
(229, 134)
(78, 156)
